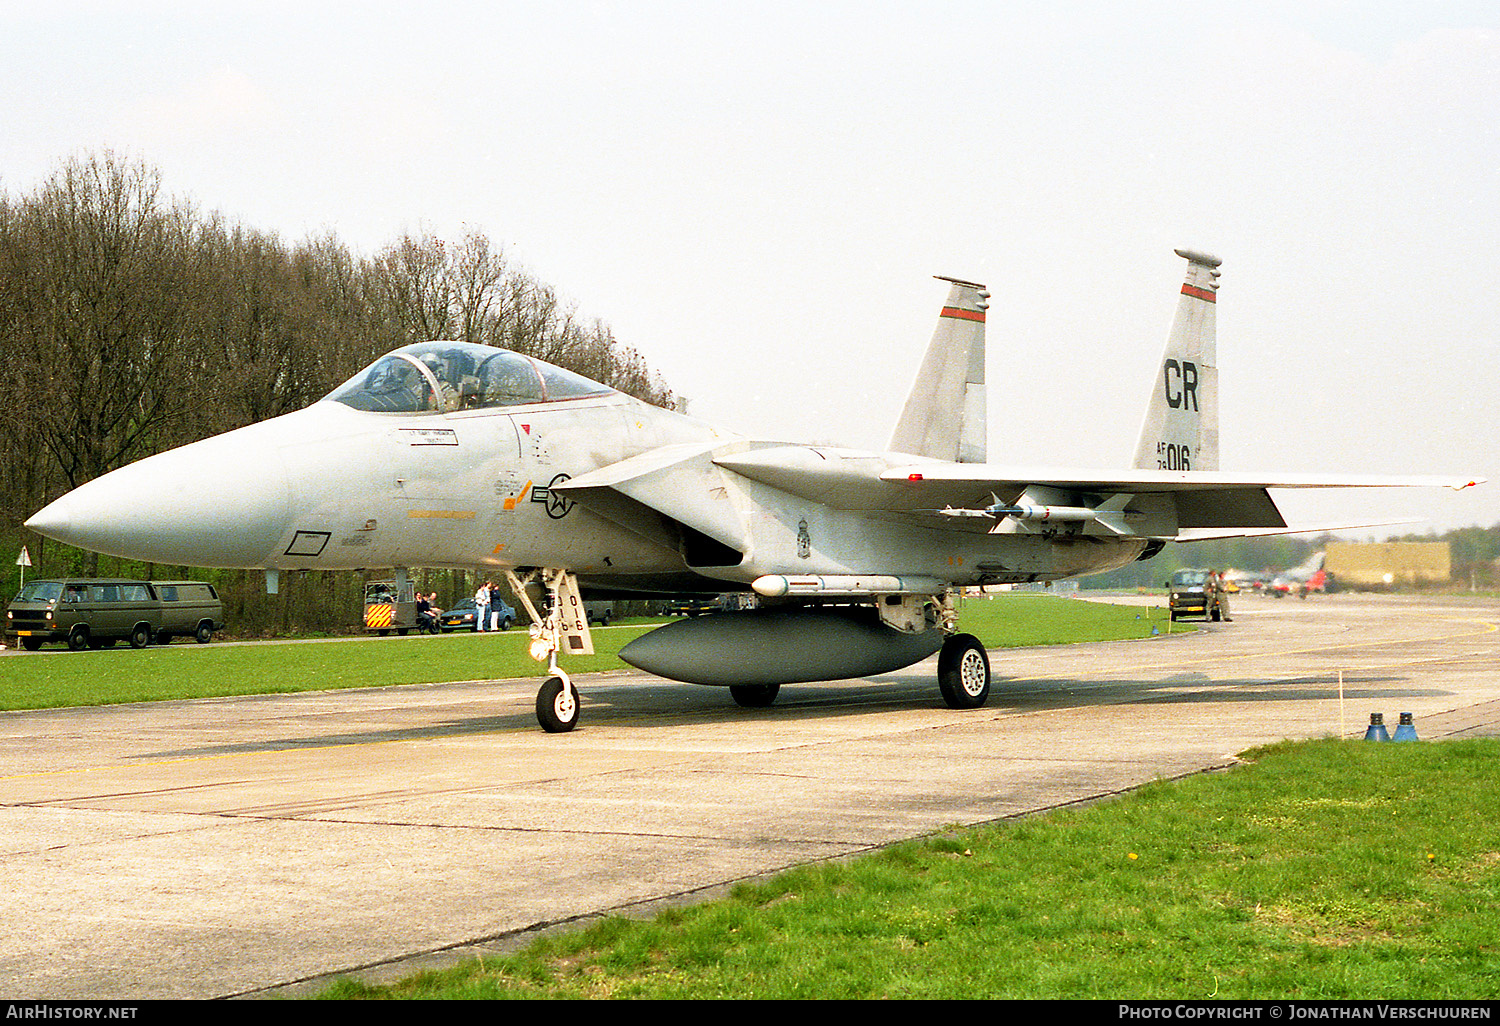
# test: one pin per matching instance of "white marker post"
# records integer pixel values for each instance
(1341, 703)
(23, 561)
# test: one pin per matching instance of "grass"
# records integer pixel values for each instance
(195, 671)
(1013, 620)
(185, 670)
(1322, 870)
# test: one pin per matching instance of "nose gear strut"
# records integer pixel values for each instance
(565, 625)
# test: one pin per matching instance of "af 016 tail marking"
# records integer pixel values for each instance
(944, 415)
(1181, 429)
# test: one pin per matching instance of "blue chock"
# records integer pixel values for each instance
(1376, 731)
(1406, 730)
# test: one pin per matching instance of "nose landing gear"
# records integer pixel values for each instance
(564, 624)
(557, 704)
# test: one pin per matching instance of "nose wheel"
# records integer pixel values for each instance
(557, 704)
(564, 622)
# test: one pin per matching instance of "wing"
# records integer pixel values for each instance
(689, 487)
(1141, 503)
(1172, 505)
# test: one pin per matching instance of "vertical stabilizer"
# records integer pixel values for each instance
(1181, 430)
(944, 416)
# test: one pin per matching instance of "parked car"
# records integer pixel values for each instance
(599, 612)
(188, 609)
(461, 617)
(84, 613)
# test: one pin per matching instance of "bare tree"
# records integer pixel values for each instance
(478, 274)
(129, 324)
(418, 286)
(95, 310)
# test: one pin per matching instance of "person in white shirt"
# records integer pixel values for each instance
(482, 607)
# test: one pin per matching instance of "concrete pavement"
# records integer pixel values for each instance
(236, 846)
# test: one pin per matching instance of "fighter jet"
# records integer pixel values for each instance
(450, 454)
(1300, 580)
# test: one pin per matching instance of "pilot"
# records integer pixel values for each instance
(448, 399)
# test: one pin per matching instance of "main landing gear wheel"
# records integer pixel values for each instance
(754, 696)
(964, 672)
(557, 705)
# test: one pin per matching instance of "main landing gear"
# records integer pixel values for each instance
(754, 696)
(963, 672)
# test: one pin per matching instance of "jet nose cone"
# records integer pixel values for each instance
(220, 502)
(54, 520)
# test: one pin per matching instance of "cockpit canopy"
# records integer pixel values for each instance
(442, 377)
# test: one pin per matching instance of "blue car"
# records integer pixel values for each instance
(461, 617)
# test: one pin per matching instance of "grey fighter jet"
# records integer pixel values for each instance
(448, 454)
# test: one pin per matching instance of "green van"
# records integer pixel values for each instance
(92, 613)
(84, 613)
(188, 609)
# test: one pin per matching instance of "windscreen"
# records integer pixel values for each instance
(443, 377)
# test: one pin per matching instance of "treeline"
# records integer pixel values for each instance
(131, 323)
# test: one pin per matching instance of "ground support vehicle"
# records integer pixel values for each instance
(1197, 593)
(392, 606)
(694, 605)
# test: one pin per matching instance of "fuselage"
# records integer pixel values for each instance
(465, 473)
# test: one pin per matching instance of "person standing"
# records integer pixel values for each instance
(482, 607)
(495, 601)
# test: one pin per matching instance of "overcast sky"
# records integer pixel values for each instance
(756, 196)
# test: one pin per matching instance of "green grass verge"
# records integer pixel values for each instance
(185, 670)
(122, 674)
(1016, 619)
(1325, 870)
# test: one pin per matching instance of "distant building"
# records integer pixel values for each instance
(1389, 564)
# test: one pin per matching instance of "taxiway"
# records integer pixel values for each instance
(246, 846)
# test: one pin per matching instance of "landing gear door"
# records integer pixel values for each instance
(573, 619)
